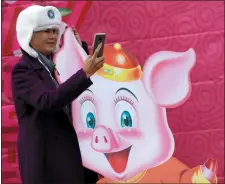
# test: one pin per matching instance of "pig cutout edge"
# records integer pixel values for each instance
(71, 53)
(166, 76)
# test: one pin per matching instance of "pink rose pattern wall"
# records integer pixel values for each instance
(144, 28)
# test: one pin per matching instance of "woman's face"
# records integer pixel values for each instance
(45, 41)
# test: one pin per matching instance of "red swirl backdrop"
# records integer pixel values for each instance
(146, 27)
(143, 28)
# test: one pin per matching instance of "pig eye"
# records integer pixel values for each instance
(88, 114)
(125, 113)
(90, 120)
(126, 120)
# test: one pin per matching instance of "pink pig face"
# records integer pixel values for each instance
(120, 129)
(122, 126)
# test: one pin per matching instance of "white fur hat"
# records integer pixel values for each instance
(37, 18)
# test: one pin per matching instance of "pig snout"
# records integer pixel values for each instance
(104, 140)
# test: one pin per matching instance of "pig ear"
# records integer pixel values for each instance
(69, 58)
(166, 76)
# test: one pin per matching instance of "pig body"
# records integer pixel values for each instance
(172, 171)
(122, 127)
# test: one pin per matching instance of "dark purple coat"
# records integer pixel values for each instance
(48, 148)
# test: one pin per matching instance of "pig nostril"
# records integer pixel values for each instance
(96, 139)
(105, 139)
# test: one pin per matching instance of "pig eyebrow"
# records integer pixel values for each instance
(89, 90)
(127, 91)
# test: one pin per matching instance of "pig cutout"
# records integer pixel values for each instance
(121, 119)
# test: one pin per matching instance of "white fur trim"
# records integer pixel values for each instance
(36, 17)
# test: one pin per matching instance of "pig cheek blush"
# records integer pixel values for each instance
(131, 133)
(85, 134)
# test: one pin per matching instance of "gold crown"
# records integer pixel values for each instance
(119, 66)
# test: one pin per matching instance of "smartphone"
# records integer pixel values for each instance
(99, 38)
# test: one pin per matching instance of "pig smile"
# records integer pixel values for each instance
(118, 160)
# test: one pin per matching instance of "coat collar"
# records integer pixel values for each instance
(31, 60)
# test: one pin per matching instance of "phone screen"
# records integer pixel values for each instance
(99, 38)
